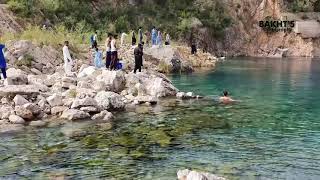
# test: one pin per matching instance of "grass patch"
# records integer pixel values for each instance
(164, 67)
(25, 61)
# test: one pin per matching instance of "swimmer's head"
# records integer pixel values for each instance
(225, 93)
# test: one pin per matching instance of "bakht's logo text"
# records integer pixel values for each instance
(277, 26)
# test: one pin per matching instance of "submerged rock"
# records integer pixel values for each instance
(193, 175)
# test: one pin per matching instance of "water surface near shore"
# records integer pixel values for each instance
(273, 133)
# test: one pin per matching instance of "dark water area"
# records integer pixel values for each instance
(272, 133)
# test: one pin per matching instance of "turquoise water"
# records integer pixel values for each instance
(273, 133)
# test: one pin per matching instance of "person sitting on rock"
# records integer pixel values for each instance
(3, 64)
(225, 98)
(68, 62)
(138, 53)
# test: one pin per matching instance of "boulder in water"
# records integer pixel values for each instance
(193, 175)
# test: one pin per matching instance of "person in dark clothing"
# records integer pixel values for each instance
(138, 53)
(134, 40)
(193, 48)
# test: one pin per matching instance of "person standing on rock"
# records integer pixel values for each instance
(3, 64)
(148, 37)
(140, 33)
(95, 40)
(123, 37)
(167, 39)
(114, 53)
(67, 59)
(138, 53)
(154, 36)
(108, 50)
(159, 39)
(98, 58)
(134, 40)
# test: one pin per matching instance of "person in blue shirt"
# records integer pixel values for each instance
(154, 35)
(3, 64)
(98, 58)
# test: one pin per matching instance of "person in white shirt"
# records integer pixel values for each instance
(167, 39)
(123, 37)
(114, 53)
(68, 62)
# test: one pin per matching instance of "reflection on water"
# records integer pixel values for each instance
(272, 134)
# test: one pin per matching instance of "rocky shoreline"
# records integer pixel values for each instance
(38, 89)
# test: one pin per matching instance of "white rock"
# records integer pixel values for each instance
(181, 95)
(82, 93)
(16, 119)
(19, 100)
(12, 90)
(86, 72)
(190, 94)
(74, 114)
(78, 103)
(55, 100)
(6, 111)
(147, 99)
(58, 109)
(193, 175)
(89, 109)
(103, 116)
(114, 79)
(109, 100)
(16, 77)
(35, 71)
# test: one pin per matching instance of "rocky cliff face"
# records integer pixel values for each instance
(246, 38)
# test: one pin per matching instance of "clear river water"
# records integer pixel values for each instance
(272, 133)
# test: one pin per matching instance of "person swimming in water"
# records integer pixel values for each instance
(225, 98)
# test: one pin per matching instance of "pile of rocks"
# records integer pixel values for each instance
(93, 93)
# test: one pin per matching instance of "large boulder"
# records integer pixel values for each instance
(19, 100)
(78, 103)
(193, 175)
(24, 112)
(6, 111)
(12, 90)
(58, 110)
(114, 79)
(55, 100)
(109, 100)
(74, 114)
(87, 71)
(151, 83)
(16, 77)
(16, 119)
(35, 109)
(103, 116)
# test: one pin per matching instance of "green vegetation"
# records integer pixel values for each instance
(25, 61)
(301, 5)
(174, 16)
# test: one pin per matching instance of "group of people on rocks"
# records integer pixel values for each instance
(111, 48)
